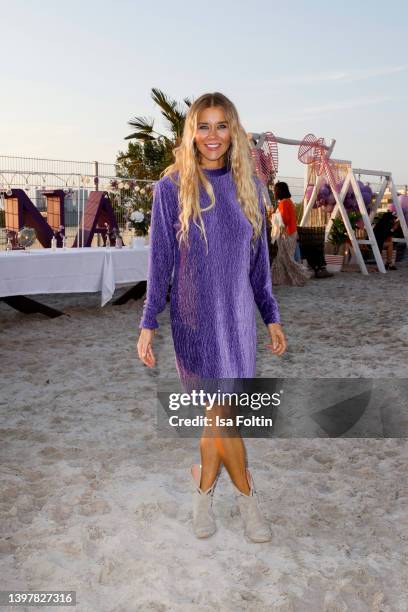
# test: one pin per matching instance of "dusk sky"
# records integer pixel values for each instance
(73, 74)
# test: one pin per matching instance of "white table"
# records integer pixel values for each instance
(74, 270)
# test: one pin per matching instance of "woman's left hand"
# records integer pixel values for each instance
(278, 344)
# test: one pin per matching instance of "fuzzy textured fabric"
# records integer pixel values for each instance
(213, 297)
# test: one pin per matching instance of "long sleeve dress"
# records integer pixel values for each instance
(213, 296)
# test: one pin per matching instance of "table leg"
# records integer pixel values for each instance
(135, 293)
(29, 306)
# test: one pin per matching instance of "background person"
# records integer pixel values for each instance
(285, 270)
(384, 231)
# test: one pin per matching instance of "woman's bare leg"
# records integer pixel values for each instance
(221, 444)
(233, 456)
(389, 245)
(210, 462)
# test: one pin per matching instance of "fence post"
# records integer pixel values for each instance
(96, 183)
(96, 177)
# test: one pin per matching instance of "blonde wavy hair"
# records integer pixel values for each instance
(190, 174)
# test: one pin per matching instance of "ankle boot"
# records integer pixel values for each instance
(255, 525)
(203, 515)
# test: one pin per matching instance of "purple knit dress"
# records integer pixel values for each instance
(213, 297)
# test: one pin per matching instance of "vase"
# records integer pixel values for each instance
(334, 262)
(137, 239)
(138, 242)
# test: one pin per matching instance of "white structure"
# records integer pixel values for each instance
(351, 180)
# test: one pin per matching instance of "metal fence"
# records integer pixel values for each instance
(76, 178)
(79, 178)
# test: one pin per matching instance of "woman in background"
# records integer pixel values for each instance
(384, 231)
(285, 270)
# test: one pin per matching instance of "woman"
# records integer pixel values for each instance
(221, 269)
(285, 270)
(384, 231)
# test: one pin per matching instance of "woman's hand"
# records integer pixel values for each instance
(145, 347)
(278, 344)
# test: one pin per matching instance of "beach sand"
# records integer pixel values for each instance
(93, 500)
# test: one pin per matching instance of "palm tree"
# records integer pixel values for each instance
(174, 115)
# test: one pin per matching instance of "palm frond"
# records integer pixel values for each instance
(166, 103)
(145, 129)
(169, 108)
(144, 124)
(140, 136)
(174, 114)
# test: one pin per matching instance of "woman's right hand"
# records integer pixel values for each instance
(145, 347)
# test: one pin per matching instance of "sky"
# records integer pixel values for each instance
(74, 73)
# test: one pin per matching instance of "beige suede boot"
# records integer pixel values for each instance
(203, 515)
(255, 525)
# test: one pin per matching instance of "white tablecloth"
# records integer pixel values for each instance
(74, 270)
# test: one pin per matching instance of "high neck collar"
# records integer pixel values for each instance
(216, 171)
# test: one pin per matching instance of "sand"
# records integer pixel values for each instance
(93, 500)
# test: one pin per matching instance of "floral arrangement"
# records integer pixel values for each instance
(140, 221)
(138, 209)
(135, 200)
(128, 185)
(326, 200)
(338, 233)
